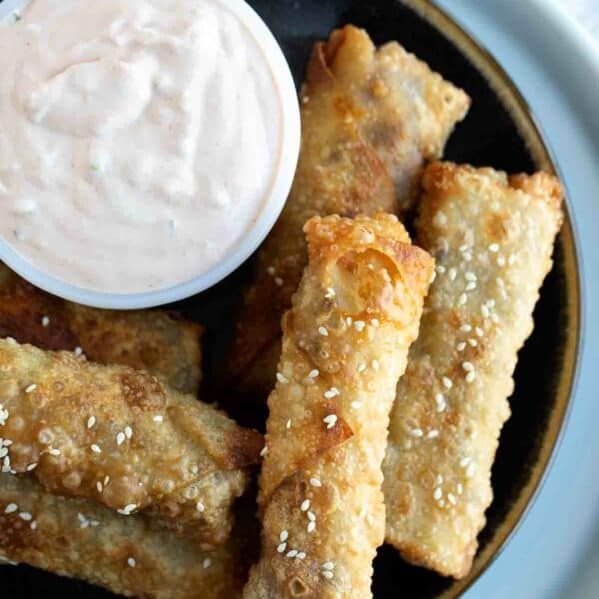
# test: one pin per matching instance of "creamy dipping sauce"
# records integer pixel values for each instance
(139, 139)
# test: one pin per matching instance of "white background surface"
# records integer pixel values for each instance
(586, 12)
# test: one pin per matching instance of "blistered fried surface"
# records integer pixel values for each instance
(370, 119)
(492, 237)
(128, 555)
(160, 342)
(121, 438)
(345, 344)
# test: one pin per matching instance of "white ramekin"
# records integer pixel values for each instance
(272, 207)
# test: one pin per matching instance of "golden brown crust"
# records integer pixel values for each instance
(370, 118)
(345, 344)
(492, 236)
(127, 555)
(123, 439)
(160, 342)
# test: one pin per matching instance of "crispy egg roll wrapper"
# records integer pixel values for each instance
(492, 237)
(160, 342)
(345, 343)
(370, 118)
(120, 437)
(126, 554)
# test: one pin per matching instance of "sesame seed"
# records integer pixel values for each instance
(356, 405)
(461, 346)
(311, 516)
(313, 374)
(463, 248)
(330, 420)
(283, 536)
(375, 364)
(332, 392)
(128, 432)
(511, 259)
(281, 548)
(465, 328)
(288, 424)
(447, 382)
(359, 325)
(452, 499)
(26, 516)
(485, 311)
(11, 508)
(467, 366)
(131, 562)
(292, 553)
(301, 554)
(328, 566)
(91, 421)
(120, 438)
(322, 331)
(440, 269)
(441, 403)
(439, 479)
(311, 526)
(470, 377)
(305, 505)
(437, 494)
(271, 270)
(33, 525)
(470, 470)
(500, 260)
(31, 467)
(452, 274)
(158, 418)
(439, 219)
(479, 331)
(206, 563)
(30, 388)
(200, 507)
(432, 434)
(471, 286)
(278, 282)
(327, 574)
(45, 321)
(53, 451)
(315, 482)
(473, 342)
(375, 322)
(494, 247)
(264, 451)
(99, 486)
(467, 256)
(282, 378)
(416, 432)
(361, 367)
(470, 276)
(459, 488)
(128, 509)
(462, 299)
(330, 294)
(78, 351)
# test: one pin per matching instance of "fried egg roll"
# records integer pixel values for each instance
(122, 438)
(345, 344)
(370, 119)
(492, 237)
(79, 538)
(160, 342)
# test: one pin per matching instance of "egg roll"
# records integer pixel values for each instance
(345, 344)
(492, 237)
(160, 342)
(122, 438)
(370, 119)
(79, 538)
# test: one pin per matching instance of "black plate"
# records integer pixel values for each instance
(488, 136)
